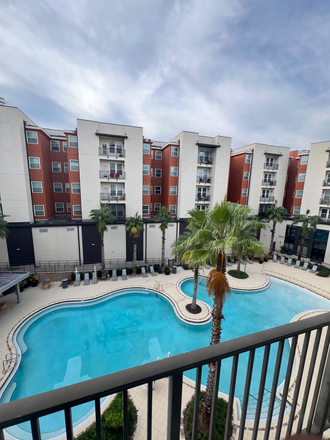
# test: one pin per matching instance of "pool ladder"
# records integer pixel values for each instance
(9, 358)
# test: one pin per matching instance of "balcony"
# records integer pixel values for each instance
(268, 183)
(325, 200)
(269, 199)
(108, 197)
(309, 383)
(328, 164)
(111, 153)
(111, 176)
(326, 182)
(200, 198)
(201, 180)
(205, 160)
(324, 219)
(273, 166)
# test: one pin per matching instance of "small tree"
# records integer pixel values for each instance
(276, 214)
(134, 225)
(309, 223)
(164, 218)
(4, 231)
(101, 216)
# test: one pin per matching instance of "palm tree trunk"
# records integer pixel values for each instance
(102, 255)
(272, 240)
(301, 247)
(134, 256)
(239, 265)
(193, 303)
(163, 250)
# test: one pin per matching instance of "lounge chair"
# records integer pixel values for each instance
(297, 265)
(313, 269)
(114, 275)
(77, 282)
(305, 266)
(275, 258)
(282, 260)
(123, 274)
(289, 263)
(86, 279)
(152, 271)
(143, 272)
(94, 278)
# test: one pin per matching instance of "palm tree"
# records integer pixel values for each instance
(277, 214)
(134, 225)
(164, 218)
(309, 222)
(101, 216)
(218, 234)
(4, 231)
(186, 242)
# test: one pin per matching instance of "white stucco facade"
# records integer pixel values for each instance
(58, 243)
(153, 240)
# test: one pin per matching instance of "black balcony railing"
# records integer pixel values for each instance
(267, 199)
(326, 183)
(268, 183)
(273, 166)
(113, 153)
(325, 201)
(310, 382)
(324, 220)
(200, 179)
(205, 160)
(200, 198)
(112, 176)
(112, 197)
(328, 164)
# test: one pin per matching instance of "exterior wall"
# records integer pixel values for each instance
(3, 251)
(153, 238)
(291, 182)
(220, 169)
(147, 179)
(115, 242)
(279, 238)
(236, 182)
(73, 177)
(299, 186)
(168, 180)
(15, 190)
(58, 243)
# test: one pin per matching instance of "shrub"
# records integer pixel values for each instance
(99, 273)
(119, 272)
(239, 275)
(90, 275)
(220, 423)
(323, 273)
(82, 275)
(160, 270)
(156, 267)
(129, 270)
(138, 269)
(185, 266)
(310, 265)
(73, 276)
(110, 273)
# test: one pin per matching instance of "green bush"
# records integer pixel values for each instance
(138, 269)
(220, 423)
(323, 273)
(73, 276)
(160, 270)
(99, 273)
(129, 270)
(185, 266)
(112, 421)
(239, 275)
(156, 267)
(119, 272)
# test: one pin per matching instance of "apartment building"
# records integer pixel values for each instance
(258, 175)
(296, 176)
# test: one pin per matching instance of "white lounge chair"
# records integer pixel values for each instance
(289, 263)
(143, 272)
(282, 260)
(77, 282)
(275, 258)
(114, 275)
(152, 271)
(305, 266)
(313, 269)
(123, 274)
(86, 279)
(297, 265)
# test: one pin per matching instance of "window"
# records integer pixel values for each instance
(59, 207)
(157, 207)
(67, 187)
(74, 165)
(158, 190)
(269, 161)
(174, 151)
(65, 147)
(116, 147)
(246, 176)
(76, 210)
(304, 160)
(146, 148)
(244, 192)
(150, 207)
(172, 209)
(34, 163)
(174, 171)
(201, 208)
(151, 189)
(58, 188)
(324, 213)
(56, 167)
(36, 187)
(267, 177)
(301, 177)
(116, 190)
(158, 172)
(32, 138)
(145, 209)
(152, 172)
(173, 190)
(75, 188)
(146, 170)
(248, 158)
(117, 210)
(145, 190)
(152, 156)
(299, 194)
(158, 155)
(116, 168)
(265, 193)
(39, 210)
(68, 207)
(296, 209)
(66, 167)
(55, 145)
(73, 142)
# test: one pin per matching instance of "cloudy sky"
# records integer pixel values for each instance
(256, 70)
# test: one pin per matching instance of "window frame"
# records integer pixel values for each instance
(72, 191)
(303, 162)
(73, 209)
(34, 210)
(67, 187)
(74, 160)
(246, 175)
(34, 143)
(76, 142)
(57, 144)
(156, 205)
(56, 171)
(37, 181)
(160, 191)
(296, 213)
(145, 149)
(244, 190)
(145, 169)
(58, 183)
(176, 172)
(169, 210)
(157, 153)
(145, 213)
(59, 203)
(143, 188)
(34, 168)
(176, 190)
(301, 174)
(299, 191)
(65, 167)
(176, 149)
(68, 207)
(64, 146)
(158, 169)
(246, 158)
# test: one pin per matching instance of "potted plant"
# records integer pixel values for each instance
(261, 260)
(34, 278)
(22, 285)
(117, 175)
(167, 270)
(112, 175)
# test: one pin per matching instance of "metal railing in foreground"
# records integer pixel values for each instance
(311, 381)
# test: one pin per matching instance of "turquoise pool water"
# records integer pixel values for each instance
(73, 343)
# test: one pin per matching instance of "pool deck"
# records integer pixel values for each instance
(35, 299)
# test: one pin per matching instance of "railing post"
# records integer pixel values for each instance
(174, 406)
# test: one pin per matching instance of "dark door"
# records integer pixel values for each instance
(129, 247)
(183, 225)
(20, 246)
(91, 239)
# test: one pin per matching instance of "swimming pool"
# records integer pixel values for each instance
(74, 342)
